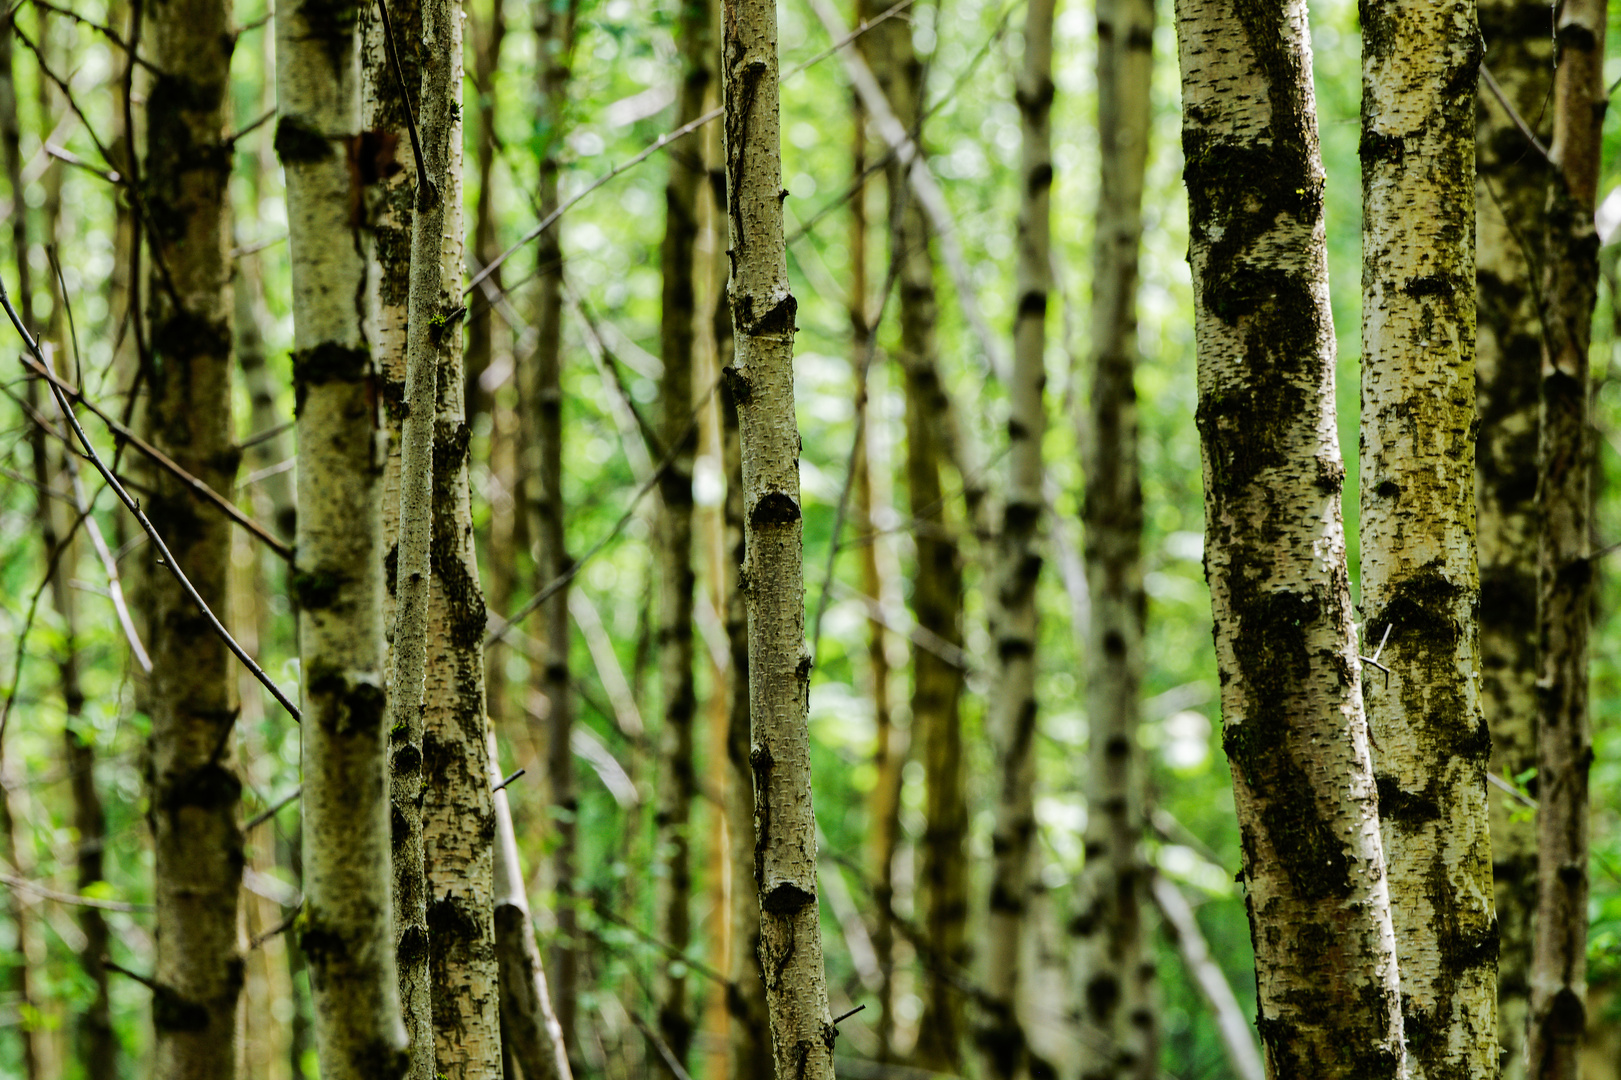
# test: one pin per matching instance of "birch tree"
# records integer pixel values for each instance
(1510, 197)
(345, 935)
(388, 67)
(937, 590)
(543, 488)
(1564, 563)
(1019, 559)
(197, 840)
(678, 434)
(1116, 960)
(762, 384)
(1293, 728)
(1420, 587)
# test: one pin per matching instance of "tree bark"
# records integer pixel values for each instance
(937, 590)
(1116, 961)
(762, 384)
(1510, 197)
(1017, 573)
(678, 434)
(1419, 579)
(1293, 726)
(458, 814)
(338, 579)
(1564, 563)
(529, 1028)
(749, 1044)
(408, 404)
(197, 840)
(543, 485)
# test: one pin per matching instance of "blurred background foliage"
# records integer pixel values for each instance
(620, 100)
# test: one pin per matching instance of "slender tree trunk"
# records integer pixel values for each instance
(408, 406)
(194, 784)
(554, 30)
(457, 811)
(1115, 957)
(889, 740)
(338, 580)
(1286, 648)
(529, 1028)
(1510, 197)
(1564, 564)
(937, 591)
(749, 1044)
(762, 384)
(678, 434)
(1017, 625)
(482, 321)
(1419, 580)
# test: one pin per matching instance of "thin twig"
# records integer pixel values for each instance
(664, 1051)
(280, 928)
(140, 516)
(105, 31)
(45, 892)
(168, 464)
(271, 811)
(109, 566)
(255, 125)
(425, 188)
(662, 142)
(1513, 113)
(507, 781)
(1507, 788)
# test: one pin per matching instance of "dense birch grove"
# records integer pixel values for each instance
(732, 539)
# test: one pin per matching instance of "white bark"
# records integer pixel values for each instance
(345, 929)
(1419, 578)
(762, 383)
(1291, 698)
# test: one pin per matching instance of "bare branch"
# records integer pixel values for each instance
(140, 516)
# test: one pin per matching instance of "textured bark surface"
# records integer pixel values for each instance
(458, 813)
(1291, 703)
(543, 486)
(1012, 707)
(761, 379)
(749, 1025)
(409, 382)
(1510, 197)
(678, 437)
(346, 936)
(529, 1029)
(1115, 959)
(1564, 566)
(1419, 578)
(197, 841)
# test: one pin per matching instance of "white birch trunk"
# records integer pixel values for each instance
(762, 384)
(1291, 697)
(345, 929)
(1419, 579)
(1012, 706)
